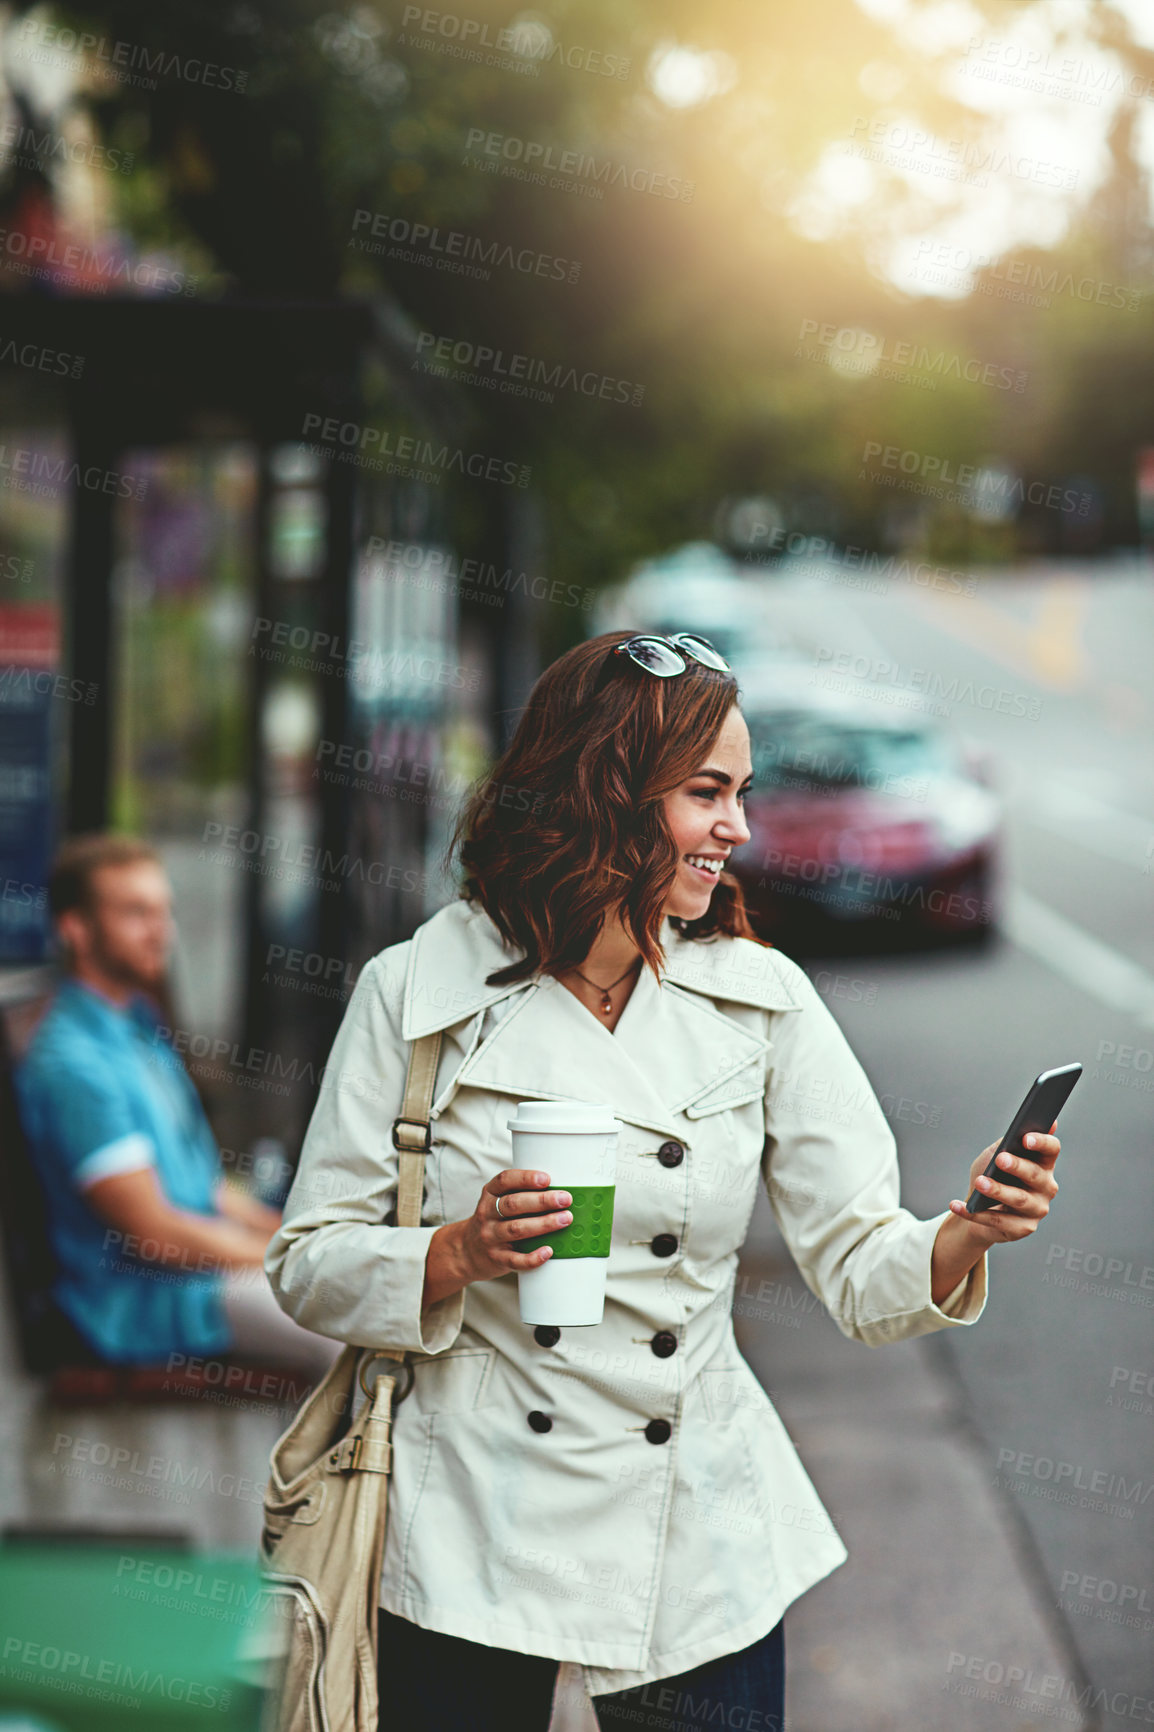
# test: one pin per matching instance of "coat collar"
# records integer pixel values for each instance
(672, 1046)
(731, 970)
(449, 958)
(452, 953)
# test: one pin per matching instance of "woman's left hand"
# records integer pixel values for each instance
(1017, 1213)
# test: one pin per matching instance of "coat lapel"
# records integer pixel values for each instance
(672, 1046)
(549, 1047)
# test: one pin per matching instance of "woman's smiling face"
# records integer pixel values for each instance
(706, 818)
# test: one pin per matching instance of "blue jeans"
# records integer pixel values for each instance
(436, 1683)
(746, 1689)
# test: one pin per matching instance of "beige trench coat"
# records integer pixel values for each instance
(588, 1542)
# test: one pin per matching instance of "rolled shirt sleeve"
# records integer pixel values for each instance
(335, 1264)
(831, 1171)
(86, 1122)
(127, 1154)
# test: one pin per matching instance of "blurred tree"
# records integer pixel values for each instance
(708, 306)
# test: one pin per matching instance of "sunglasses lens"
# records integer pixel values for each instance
(655, 656)
(701, 650)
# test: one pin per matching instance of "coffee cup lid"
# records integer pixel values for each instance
(543, 1117)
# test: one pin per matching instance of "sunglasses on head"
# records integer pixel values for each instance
(665, 656)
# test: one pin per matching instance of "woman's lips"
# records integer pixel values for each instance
(703, 874)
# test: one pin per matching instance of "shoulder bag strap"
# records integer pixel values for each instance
(412, 1139)
(411, 1134)
(309, 1435)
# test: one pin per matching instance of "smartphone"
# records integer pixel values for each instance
(1048, 1095)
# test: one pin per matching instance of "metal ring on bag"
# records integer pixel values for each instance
(405, 1367)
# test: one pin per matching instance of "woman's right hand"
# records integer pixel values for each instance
(485, 1245)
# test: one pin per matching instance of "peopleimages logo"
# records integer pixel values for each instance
(535, 161)
(50, 44)
(1023, 1689)
(851, 350)
(30, 254)
(516, 374)
(942, 477)
(1015, 279)
(18, 686)
(968, 160)
(28, 148)
(1004, 61)
(39, 359)
(443, 572)
(524, 47)
(419, 458)
(324, 652)
(46, 472)
(891, 682)
(454, 250)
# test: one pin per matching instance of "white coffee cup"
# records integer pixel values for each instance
(575, 1142)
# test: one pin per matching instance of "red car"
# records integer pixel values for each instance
(870, 826)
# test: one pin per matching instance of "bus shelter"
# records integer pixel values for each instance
(255, 607)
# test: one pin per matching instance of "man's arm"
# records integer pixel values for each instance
(136, 1206)
(239, 1206)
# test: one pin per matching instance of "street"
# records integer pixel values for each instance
(1056, 1376)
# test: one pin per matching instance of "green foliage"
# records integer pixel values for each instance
(702, 300)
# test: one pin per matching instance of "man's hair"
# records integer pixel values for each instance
(81, 857)
(569, 826)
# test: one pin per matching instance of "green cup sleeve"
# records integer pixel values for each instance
(589, 1232)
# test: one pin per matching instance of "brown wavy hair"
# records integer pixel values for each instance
(569, 825)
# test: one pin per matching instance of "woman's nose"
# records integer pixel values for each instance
(735, 828)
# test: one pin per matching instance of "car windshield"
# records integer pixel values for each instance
(799, 750)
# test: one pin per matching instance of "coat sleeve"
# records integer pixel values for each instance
(334, 1264)
(830, 1168)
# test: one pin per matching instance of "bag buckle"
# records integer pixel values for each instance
(418, 1137)
(360, 1454)
(404, 1369)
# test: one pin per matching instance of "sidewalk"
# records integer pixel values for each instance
(914, 1633)
(938, 1599)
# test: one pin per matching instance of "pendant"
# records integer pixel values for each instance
(607, 1005)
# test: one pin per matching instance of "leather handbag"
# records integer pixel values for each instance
(327, 1498)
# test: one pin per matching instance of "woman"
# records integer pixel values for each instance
(623, 1497)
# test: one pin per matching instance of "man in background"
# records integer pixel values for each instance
(155, 1253)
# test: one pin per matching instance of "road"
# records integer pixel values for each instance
(1058, 1376)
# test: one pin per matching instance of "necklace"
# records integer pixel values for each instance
(606, 1001)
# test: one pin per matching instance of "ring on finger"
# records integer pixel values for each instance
(497, 1202)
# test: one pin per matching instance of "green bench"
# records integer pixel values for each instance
(102, 1638)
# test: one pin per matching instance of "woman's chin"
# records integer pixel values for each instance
(688, 903)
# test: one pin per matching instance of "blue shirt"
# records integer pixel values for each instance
(101, 1092)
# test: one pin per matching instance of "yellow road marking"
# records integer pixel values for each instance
(1057, 637)
(1049, 647)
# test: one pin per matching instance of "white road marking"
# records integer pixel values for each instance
(1082, 818)
(1076, 955)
